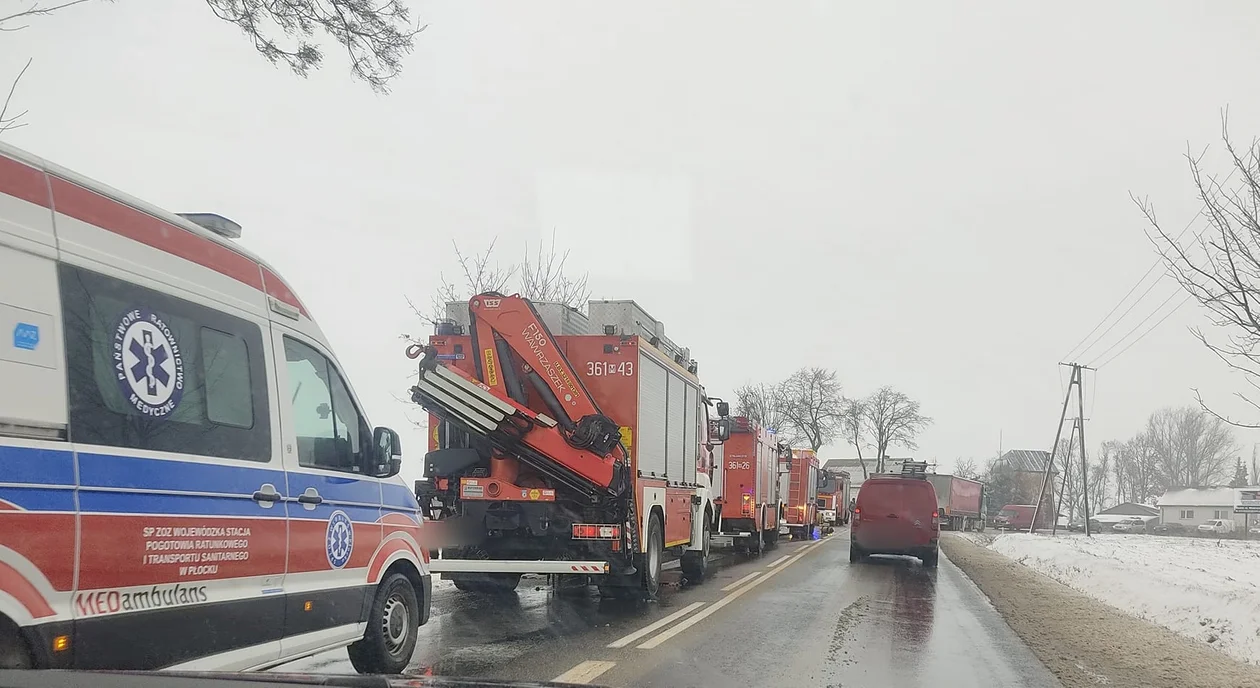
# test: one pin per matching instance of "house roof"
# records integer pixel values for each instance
(842, 464)
(1198, 496)
(1028, 460)
(1130, 509)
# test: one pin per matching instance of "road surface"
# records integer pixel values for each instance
(800, 615)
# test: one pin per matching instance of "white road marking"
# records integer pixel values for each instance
(716, 606)
(778, 561)
(622, 642)
(585, 672)
(741, 581)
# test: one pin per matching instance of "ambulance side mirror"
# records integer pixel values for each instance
(388, 452)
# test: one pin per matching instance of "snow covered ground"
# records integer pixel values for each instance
(1201, 588)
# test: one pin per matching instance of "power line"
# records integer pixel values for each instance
(1079, 354)
(1124, 298)
(1149, 330)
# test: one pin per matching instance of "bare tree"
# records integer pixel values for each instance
(854, 426)
(1220, 268)
(545, 278)
(1192, 448)
(477, 276)
(376, 35)
(812, 405)
(966, 468)
(16, 21)
(13, 121)
(894, 419)
(762, 404)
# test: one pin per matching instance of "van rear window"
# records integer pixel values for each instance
(150, 371)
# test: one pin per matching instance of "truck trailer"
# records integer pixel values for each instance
(746, 481)
(960, 501)
(587, 453)
(801, 511)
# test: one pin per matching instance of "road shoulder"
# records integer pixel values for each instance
(1085, 642)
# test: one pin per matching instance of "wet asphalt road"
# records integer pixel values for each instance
(800, 615)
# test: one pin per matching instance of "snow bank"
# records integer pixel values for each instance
(1203, 589)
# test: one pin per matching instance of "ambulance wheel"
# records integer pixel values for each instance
(653, 558)
(695, 563)
(393, 625)
(13, 651)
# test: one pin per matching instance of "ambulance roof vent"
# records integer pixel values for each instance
(215, 223)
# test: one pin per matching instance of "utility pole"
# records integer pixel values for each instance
(1067, 462)
(1080, 404)
(1058, 433)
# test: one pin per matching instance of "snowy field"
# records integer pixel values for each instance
(1201, 588)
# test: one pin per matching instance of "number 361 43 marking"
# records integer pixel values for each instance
(604, 368)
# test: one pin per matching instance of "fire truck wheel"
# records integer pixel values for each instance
(390, 639)
(695, 563)
(653, 558)
(13, 651)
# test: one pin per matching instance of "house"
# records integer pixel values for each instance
(1027, 469)
(1120, 512)
(1194, 505)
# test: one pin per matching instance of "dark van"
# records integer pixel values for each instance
(896, 515)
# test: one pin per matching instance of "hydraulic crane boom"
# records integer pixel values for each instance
(577, 444)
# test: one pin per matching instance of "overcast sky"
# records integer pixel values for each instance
(930, 195)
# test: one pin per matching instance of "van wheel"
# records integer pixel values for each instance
(695, 563)
(855, 554)
(393, 624)
(13, 651)
(653, 558)
(930, 559)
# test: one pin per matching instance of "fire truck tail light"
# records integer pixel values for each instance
(596, 531)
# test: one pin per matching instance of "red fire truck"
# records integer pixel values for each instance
(746, 478)
(801, 511)
(586, 454)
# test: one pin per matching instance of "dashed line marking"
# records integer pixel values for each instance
(585, 672)
(700, 616)
(778, 561)
(741, 581)
(622, 642)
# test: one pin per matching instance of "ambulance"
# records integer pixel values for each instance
(187, 480)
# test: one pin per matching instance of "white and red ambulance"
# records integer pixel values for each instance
(186, 478)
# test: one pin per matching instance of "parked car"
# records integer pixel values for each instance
(1170, 529)
(1217, 526)
(1130, 525)
(896, 515)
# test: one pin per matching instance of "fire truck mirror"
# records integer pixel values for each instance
(720, 430)
(723, 409)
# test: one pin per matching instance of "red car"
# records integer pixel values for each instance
(897, 514)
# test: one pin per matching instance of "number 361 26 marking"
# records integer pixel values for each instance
(603, 368)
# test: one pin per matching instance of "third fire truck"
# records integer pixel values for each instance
(801, 511)
(588, 452)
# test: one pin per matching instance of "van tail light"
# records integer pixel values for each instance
(936, 519)
(857, 515)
